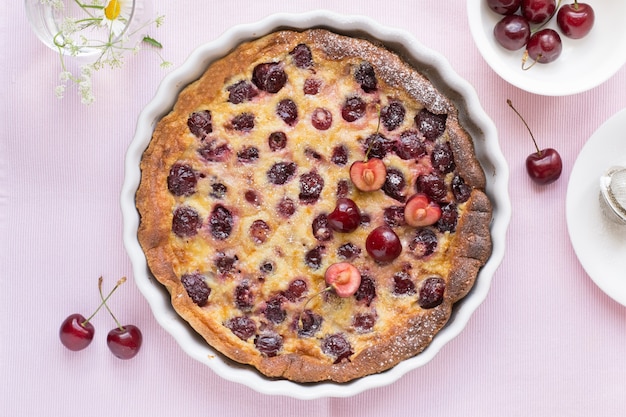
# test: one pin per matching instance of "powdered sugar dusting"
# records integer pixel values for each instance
(388, 66)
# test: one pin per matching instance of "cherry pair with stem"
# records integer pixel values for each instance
(77, 332)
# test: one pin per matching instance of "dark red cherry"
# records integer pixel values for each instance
(76, 333)
(182, 180)
(430, 124)
(364, 322)
(403, 284)
(200, 124)
(366, 77)
(296, 289)
(431, 293)
(575, 20)
(213, 152)
(346, 216)
(241, 91)
(348, 251)
(286, 207)
(392, 115)
(353, 109)
(277, 140)
(269, 76)
(186, 221)
(242, 326)
(424, 243)
(287, 110)
(311, 86)
(337, 346)
(274, 310)
(383, 244)
(512, 32)
(243, 122)
(224, 263)
(544, 46)
(311, 186)
(218, 190)
(313, 258)
(320, 228)
(244, 296)
(308, 323)
(248, 154)
(432, 185)
(543, 166)
(281, 172)
(221, 222)
(321, 118)
(538, 11)
(302, 56)
(340, 155)
(269, 343)
(366, 291)
(504, 6)
(259, 231)
(394, 184)
(125, 341)
(410, 145)
(196, 288)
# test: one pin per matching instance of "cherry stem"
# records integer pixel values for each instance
(300, 324)
(508, 101)
(104, 300)
(120, 282)
(525, 58)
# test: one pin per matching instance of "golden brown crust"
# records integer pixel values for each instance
(402, 328)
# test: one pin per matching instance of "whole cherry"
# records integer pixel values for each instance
(76, 331)
(123, 341)
(383, 244)
(512, 32)
(543, 166)
(505, 7)
(575, 20)
(346, 216)
(543, 47)
(538, 11)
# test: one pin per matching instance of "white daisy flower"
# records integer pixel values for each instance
(116, 15)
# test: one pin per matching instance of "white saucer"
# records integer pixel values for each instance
(599, 243)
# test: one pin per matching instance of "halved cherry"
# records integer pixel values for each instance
(421, 211)
(344, 278)
(368, 175)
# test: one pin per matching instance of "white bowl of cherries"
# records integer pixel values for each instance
(550, 47)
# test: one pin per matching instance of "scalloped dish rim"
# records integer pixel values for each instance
(478, 124)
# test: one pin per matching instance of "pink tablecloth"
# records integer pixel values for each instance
(546, 341)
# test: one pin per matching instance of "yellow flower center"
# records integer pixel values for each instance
(112, 10)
